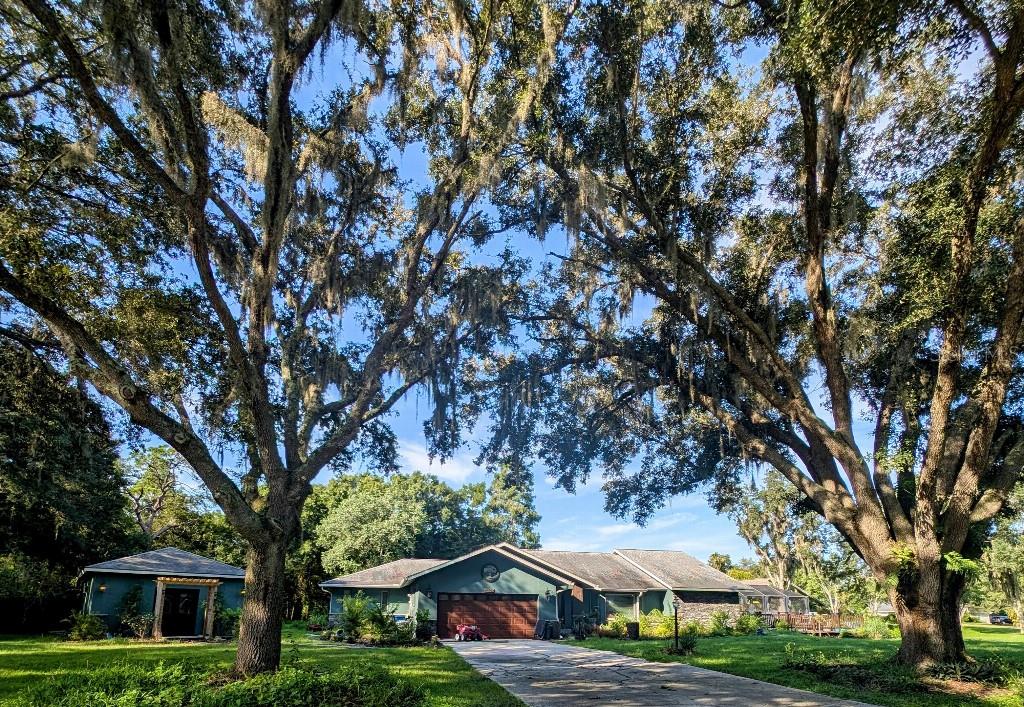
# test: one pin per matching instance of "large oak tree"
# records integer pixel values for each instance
(834, 237)
(201, 202)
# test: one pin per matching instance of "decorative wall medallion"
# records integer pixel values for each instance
(490, 572)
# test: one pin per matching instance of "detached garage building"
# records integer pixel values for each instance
(506, 590)
(179, 588)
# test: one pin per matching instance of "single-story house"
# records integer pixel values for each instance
(773, 600)
(507, 590)
(179, 588)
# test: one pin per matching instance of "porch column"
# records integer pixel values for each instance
(158, 610)
(211, 596)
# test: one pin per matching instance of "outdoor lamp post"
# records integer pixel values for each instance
(676, 603)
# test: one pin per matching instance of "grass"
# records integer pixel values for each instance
(448, 680)
(761, 657)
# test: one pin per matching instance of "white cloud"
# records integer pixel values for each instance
(456, 470)
(613, 530)
(670, 521)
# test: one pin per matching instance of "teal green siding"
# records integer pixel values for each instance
(107, 604)
(464, 577)
(595, 604)
(397, 599)
(650, 601)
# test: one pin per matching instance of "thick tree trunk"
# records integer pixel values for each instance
(928, 612)
(259, 635)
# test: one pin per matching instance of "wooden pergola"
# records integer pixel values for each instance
(211, 595)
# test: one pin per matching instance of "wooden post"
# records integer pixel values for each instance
(211, 596)
(158, 610)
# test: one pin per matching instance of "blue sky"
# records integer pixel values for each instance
(578, 521)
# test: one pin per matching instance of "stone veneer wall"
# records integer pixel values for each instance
(694, 611)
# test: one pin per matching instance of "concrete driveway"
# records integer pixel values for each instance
(544, 674)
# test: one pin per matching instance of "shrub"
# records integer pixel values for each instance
(181, 685)
(968, 619)
(987, 671)
(875, 627)
(354, 611)
(425, 626)
(365, 685)
(129, 611)
(380, 628)
(225, 620)
(316, 621)
(86, 627)
(687, 645)
(719, 623)
(747, 624)
(783, 625)
(884, 677)
(655, 624)
(379, 625)
(140, 626)
(615, 627)
(694, 628)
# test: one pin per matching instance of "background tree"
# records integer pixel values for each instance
(368, 520)
(509, 515)
(377, 523)
(1003, 561)
(746, 569)
(769, 518)
(157, 500)
(829, 570)
(237, 264)
(720, 561)
(61, 494)
(751, 266)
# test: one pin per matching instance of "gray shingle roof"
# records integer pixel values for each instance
(622, 570)
(764, 586)
(599, 569)
(168, 561)
(681, 571)
(388, 575)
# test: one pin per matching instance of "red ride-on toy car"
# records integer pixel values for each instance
(469, 632)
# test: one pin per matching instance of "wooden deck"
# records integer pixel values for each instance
(815, 624)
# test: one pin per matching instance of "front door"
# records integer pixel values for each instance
(181, 609)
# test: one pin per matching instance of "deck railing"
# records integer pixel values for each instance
(812, 623)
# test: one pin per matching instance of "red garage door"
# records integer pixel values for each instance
(497, 615)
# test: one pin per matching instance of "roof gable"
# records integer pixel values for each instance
(399, 573)
(168, 561)
(621, 570)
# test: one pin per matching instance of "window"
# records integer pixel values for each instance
(622, 604)
(383, 600)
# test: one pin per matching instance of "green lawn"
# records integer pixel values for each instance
(448, 680)
(761, 657)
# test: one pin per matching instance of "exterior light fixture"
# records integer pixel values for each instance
(677, 603)
(103, 587)
(430, 594)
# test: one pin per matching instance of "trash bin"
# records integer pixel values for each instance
(633, 631)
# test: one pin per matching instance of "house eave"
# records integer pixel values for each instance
(161, 573)
(501, 549)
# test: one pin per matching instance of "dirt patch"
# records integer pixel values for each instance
(960, 688)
